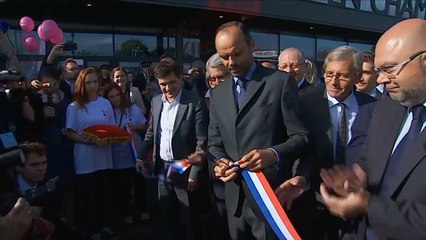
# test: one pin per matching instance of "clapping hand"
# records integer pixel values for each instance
(290, 190)
(344, 191)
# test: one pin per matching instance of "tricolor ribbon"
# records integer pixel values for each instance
(133, 142)
(179, 166)
(269, 205)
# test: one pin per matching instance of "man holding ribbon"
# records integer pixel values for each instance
(177, 129)
(254, 127)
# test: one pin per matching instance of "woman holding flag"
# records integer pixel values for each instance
(129, 117)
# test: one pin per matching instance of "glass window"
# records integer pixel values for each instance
(324, 46)
(362, 46)
(191, 47)
(169, 44)
(96, 63)
(90, 44)
(16, 38)
(266, 46)
(30, 68)
(135, 45)
(265, 41)
(132, 67)
(305, 44)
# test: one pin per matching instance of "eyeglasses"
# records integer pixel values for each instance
(216, 78)
(392, 71)
(340, 76)
(290, 66)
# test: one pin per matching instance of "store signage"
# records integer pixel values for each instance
(394, 8)
(265, 54)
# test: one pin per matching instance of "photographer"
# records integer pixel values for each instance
(69, 70)
(25, 111)
(25, 180)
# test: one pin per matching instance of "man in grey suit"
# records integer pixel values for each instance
(329, 115)
(384, 193)
(254, 117)
(178, 128)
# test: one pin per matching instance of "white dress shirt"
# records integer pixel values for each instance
(167, 122)
(350, 113)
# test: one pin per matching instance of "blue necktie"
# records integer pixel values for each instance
(341, 140)
(240, 88)
(402, 150)
(399, 155)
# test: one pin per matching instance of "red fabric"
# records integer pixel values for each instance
(106, 134)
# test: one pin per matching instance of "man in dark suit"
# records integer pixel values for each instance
(329, 116)
(178, 128)
(382, 193)
(293, 61)
(254, 117)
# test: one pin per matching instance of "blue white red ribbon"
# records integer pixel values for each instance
(179, 166)
(269, 205)
(133, 142)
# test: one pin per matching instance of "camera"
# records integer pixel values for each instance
(69, 46)
(9, 75)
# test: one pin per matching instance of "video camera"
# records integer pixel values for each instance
(9, 75)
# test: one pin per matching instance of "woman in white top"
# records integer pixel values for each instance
(91, 160)
(123, 158)
(120, 77)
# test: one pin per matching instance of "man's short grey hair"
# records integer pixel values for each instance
(301, 54)
(346, 53)
(214, 61)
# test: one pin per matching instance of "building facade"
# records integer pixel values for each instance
(126, 32)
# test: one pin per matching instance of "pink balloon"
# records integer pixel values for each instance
(58, 36)
(27, 24)
(30, 44)
(49, 28)
(41, 33)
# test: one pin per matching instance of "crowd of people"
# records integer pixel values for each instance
(344, 152)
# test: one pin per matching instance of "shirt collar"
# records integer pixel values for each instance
(350, 102)
(25, 185)
(249, 74)
(300, 82)
(175, 101)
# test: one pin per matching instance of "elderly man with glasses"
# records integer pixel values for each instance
(329, 116)
(383, 192)
(293, 61)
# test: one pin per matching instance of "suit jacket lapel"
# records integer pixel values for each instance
(385, 137)
(254, 85)
(183, 105)
(158, 107)
(325, 111)
(227, 99)
(416, 155)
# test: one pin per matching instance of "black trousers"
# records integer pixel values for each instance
(93, 201)
(178, 215)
